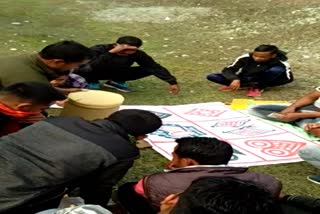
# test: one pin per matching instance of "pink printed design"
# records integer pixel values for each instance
(205, 112)
(277, 148)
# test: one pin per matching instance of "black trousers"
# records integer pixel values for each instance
(132, 202)
(121, 75)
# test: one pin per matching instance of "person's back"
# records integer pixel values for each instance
(21, 68)
(67, 152)
(221, 195)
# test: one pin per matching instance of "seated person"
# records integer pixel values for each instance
(113, 62)
(51, 62)
(266, 66)
(305, 112)
(311, 154)
(221, 195)
(56, 155)
(21, 104)
(193, 157)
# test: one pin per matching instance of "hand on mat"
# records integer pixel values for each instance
(288, 110)
(61, 103)
(289, 117)
(174, 89)
(235, 84)
(310, 126)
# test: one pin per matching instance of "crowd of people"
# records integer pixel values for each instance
(42, 158)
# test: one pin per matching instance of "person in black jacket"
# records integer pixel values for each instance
(113, 62)
(266, 66)
(39, 162)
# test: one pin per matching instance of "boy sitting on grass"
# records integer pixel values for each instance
(193, 157)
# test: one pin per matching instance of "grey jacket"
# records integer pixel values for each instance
(58, 151)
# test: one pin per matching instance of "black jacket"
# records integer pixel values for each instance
(57, 151)
(245, 66)
(105, 61)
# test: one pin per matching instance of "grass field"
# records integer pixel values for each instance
(191, 38)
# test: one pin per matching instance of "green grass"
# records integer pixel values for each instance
(190, 48)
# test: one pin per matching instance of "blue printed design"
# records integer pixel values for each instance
(172, 131)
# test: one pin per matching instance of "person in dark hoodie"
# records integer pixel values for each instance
(39, 162)
(193, 157)
(266, 66)
(113, 62)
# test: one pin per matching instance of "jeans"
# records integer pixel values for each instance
(274, 76)
(311, 154)
(263, 111)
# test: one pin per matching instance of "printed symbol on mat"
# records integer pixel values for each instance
(161, 114)
(231, 123)
(250, 130)
(277, 148)
(176, 131)
(235, 155)
(205, 112)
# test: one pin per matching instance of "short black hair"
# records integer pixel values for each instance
(34, 92)
(69, 51)
(224, 195)
(130, 40)
(204, 150)
(281, 55)
(136, 121)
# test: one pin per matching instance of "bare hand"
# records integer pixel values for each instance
(235, 84)
(310, 126)
(68, 90)
(289, 117)
(174, 89)
(61, 102)
(288, 110)
(118, 48)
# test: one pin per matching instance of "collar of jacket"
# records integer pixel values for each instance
(209, 168)
(42, 67)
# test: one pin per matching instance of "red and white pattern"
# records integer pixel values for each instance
(255, 141)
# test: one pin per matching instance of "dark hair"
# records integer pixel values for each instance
(34, 92)
(204, 150)
(135, 121)
(130, 40)
(281, 55)
(224, 195)
(69, 51)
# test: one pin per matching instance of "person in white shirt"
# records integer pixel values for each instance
(305, 112)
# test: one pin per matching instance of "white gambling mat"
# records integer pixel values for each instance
(255, 141)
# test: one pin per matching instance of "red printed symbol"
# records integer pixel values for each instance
(205, 112)
(277, 148)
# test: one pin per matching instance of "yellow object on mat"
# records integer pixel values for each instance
(242, 104)
(92, 104)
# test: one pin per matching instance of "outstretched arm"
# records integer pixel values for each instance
(304, 101)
